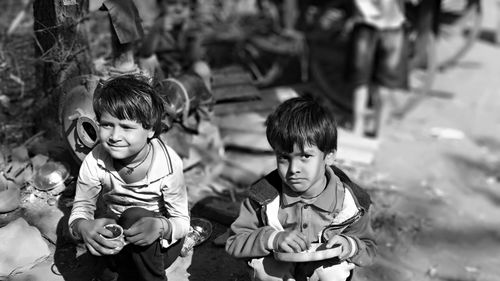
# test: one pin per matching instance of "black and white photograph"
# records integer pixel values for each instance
(249, 140)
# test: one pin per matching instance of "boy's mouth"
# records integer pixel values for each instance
(116, 147)
(294, 180)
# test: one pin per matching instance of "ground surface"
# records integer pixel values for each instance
(436, 198)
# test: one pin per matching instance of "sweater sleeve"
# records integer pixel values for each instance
(362, 233)
(88, 188)
(249, 237)
(176, 201)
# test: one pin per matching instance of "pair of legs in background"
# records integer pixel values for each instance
(270, 269)
(136, 263)
(378, 70)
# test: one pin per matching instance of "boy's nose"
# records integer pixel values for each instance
(294, 167)
(115, 135)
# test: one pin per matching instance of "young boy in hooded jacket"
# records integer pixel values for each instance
(305, 200)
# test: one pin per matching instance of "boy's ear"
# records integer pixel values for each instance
(330, 158)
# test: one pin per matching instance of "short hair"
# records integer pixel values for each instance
(301, 121)
(130, 97)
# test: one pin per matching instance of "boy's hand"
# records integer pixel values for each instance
(290, 242)
(345, 246)
(144, 231)
(91, 230)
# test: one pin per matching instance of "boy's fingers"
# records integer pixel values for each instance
(136, 228)
(295, 246)
(334, 240)
(131, 231)
(287, 249)
(138, 239)
(302, 245)
(92, 250)
(103, 243)
(97, 249)
(134, 238)
(106, 233)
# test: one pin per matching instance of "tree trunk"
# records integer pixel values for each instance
(62, 52)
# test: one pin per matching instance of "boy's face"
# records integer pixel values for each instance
(304, 170)
(123, 139)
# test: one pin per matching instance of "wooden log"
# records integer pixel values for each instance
(242, 92)
(247, 122)
(249, 141)
(230, 76)
(269, 99)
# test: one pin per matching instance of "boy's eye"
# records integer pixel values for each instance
(306, 156)
(282, 158)
(104, 125)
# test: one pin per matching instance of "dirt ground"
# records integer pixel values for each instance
(435, 184)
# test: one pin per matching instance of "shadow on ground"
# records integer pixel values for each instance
(211, 262)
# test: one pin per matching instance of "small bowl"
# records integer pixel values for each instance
(51, 177)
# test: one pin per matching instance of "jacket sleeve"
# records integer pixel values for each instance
(249, 238)
(363, 235)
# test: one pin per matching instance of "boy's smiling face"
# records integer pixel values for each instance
(123, 139)
(304, 170)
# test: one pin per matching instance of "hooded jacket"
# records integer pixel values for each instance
(253, 232)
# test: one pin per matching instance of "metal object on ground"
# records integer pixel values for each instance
(200, 230)
(182, 96)
(76, 114)
(51, 177)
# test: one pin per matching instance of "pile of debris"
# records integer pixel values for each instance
(30, 189)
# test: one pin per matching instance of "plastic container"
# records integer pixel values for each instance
(194, 237)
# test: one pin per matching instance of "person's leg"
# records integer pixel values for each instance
(269, 269)
(142, 262)
(383, 104)
(361, 94)
(391, 75)
(363, 42)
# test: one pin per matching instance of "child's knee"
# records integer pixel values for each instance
(133, 214)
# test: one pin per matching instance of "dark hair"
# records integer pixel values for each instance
(301, 121)
(130, 97)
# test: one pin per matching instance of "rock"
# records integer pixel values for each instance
(22, 247)
(10, 196)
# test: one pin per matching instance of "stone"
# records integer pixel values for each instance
(22, 247)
